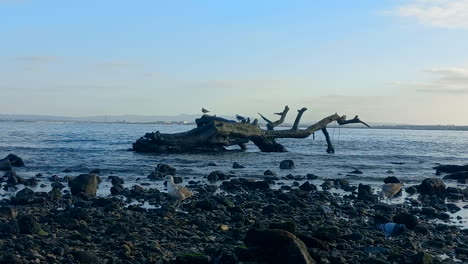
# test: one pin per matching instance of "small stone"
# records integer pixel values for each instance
(224, 227)
(236, 165)
(287, 165)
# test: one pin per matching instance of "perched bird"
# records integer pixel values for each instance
(392, 229)
(240, 118)
(389, 190)
(176, 191)
(204, 110)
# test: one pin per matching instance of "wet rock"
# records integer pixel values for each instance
(14, 160)
(85, 184)
(25, 196)
(31, 182)
(10, 259)
(217, 176)
(289, 226)
(177, 179)
(356, 171)
(462, 175)
(307, 186)
(115, 180)
(5, 165)
(450, 168)
(277, 246)
(8, 212)
(95, 171)
(286, 165)
(58, 185)
(423, 258)
(411, 190)
(365, 193)
(225, 256)
(211, 164)
(13, 179)
(166, 169)
(236, 165)
(269, 173)
(328, 233)
(376, 250)
(117, 189)
(85, 257)
(29, 225)
(409, 220)
(453, 208)
(391, 179)
(194, 258)
(205, 205)
(67, 170)
(431, 186)
(56, 194)
(312, 242)
(311, 176)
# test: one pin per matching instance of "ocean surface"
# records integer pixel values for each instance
(50, 148)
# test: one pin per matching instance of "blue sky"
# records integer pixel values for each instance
(387, 60)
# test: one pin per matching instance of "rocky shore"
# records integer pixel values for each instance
(228, 220)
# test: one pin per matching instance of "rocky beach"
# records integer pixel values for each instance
(229, 219)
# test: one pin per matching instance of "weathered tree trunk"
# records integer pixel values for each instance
(214, 134)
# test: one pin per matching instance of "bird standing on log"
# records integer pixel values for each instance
(176, 191)
(389, 190)
(204, 110)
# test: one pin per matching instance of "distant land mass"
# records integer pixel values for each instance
(189, 119)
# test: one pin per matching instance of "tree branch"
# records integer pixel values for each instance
(298, 118)
(271, 125)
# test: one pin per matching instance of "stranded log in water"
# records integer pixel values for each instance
(214, 134)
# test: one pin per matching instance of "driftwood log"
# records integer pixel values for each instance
(214, 134)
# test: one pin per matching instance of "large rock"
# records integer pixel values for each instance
(277, 246)
(409, 220)
(29, 225)
(5, 165)
(14, 160)
(365, 193)
(85, 184)
(286, 165)
(431, 186)
(86, 257)
(8, 212)
(462, 175)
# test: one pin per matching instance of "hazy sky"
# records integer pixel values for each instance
(386, 60)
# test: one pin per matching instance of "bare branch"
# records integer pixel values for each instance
(271, 125)
(298, 118)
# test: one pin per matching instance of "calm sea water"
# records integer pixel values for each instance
(50, 148)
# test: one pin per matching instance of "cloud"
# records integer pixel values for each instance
(447, 80)
(436, 13)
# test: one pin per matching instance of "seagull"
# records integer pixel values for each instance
(392, 229)
(389, 190)
(240, 118)
(204, 110)
(176, 191)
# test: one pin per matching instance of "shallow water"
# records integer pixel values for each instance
(50, 148)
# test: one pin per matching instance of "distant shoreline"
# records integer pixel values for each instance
(191, 123)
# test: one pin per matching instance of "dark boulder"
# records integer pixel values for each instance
(450, 168)
(217, 176)
(409, 220)
(86, 257)
(85, 184)
(365, 193)
(193, 258)
(277, 246)
(422, 258)
(391, 179)
(115, 180)
(165, 169)
(356, 171)
(5, 165)
(25, 196)
(8, 212)
(14, 160)
(269, 173)
(31, 182)
(307, 186)
(29, 225)
(236, 165)
(286, 165)
(431, 186)
(462, 175)
(328, 233)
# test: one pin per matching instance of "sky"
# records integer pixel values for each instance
(391, 61)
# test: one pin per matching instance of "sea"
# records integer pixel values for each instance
(51, 148)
